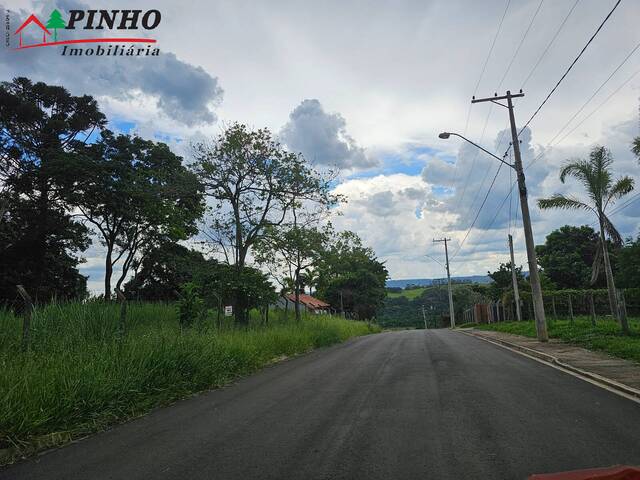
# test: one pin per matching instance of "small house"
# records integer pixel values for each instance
(307, 303)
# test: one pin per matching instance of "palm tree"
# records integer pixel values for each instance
(635, 147)
(595, 176)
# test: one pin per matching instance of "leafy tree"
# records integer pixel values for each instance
(503, 282)
(351, 278)
(253, 182)
(166, 268)
(292, 250)
(160, 273)
(603, 191)
(567, 256)
(43, 131)
(56, 21)
(136, 193)
(628, 264)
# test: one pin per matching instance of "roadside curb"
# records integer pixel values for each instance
(550, 359)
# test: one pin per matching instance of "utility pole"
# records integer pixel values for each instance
(536, 290)
(452, 317)
(424, 317)
(516, 293)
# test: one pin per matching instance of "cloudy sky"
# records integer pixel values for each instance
(367, 87)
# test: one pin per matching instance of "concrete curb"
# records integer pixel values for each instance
(545, 357)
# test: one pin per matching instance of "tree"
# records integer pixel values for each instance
(56, 21)
(603, 191)
(136, 193)
(628, 271)
(503, 282)
(351, 278)
(635, 147)
(292, 251)
(43, 134)
(253, 182)
(567, 257)
(160, 274)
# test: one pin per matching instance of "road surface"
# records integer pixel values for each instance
(399, 405)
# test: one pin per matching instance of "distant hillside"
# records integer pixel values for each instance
(430, 281)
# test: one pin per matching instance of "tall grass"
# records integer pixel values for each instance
(80, 375)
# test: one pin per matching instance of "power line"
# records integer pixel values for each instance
(553, 39)
(597, 90)
(486, 60)
(628, 203)
(600, 105)
(475, 91)
(479, 210)
(571, 66)
(524, 36)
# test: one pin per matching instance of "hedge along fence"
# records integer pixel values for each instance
(586, 302)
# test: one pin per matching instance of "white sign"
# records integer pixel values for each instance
(228, 310)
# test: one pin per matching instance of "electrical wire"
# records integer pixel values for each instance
(600, 105)
(524, 36)
(571, 66)
(479, 210)
(596, 91)
(553, 39)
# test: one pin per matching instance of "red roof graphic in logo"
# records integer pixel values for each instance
(33, 19)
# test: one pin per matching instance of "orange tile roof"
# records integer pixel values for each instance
(309, 301)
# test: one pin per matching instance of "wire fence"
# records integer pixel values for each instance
(560, 304)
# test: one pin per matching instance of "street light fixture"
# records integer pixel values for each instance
(446, 135)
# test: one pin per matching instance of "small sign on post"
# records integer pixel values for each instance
(228, 310)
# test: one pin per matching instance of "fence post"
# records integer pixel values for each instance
(553, 306)
(570, 309)
(623, 303)
(622, 307)
(123, 311)
(592, 308)
(26, 321)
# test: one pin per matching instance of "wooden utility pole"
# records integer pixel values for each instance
(514, 279)
(452, 317)
(534, 278)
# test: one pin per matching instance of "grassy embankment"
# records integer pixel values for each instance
(80, 376)
(411, 293)
(605, 336)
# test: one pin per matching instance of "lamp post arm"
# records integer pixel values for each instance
(483, 149)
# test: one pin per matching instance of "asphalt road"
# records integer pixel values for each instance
(400, 405)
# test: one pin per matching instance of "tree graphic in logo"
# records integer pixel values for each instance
(56, 21)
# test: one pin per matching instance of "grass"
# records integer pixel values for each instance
(80, 376)
(411, 294)
(605, 336)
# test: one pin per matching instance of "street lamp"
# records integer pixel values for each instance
(446, 135)
(536, 290)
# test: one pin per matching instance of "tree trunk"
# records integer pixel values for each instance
(297, 294)
(108, 272)
(611, 287)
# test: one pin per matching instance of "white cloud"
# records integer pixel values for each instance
(322, 137)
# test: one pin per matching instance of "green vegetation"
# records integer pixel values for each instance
(411, 293)
(596, 177)
(404, 308)
(80, 375)
(605, 336)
